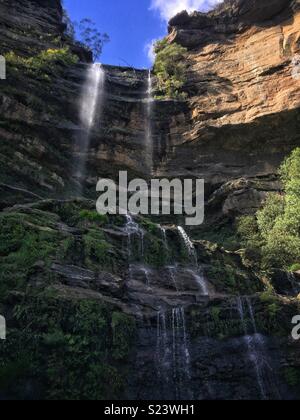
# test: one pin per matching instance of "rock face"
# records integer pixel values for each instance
(244, 108)
(241, 120)
(140, 310)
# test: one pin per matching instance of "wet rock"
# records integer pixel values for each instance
(286, 283)
(87, 279)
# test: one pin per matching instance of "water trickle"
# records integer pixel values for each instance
(164, 237)
(189, 245)
(200, 281)
(148, 125)
(256, 350)
(132, 229)
(90, 106)
(294, 283)
(251, 312)
(172, 273)
(147, 274)
(172, 354)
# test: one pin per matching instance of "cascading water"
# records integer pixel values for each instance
(90, 105)
(132, 229)
(294, 284)
(189, 245)
(164, 237)
(196, 272)
(257, 353)
(148, 126)
(251, 350)
(200, 281)
(147, 274)
(172, 270)
(172, 354)
(172, 378)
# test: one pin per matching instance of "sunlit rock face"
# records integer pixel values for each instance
(243, 112)
(204, 330)
(240, 121)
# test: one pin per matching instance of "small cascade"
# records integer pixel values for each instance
(293, 282)
(90, 105)
(164, 237)
(257, 353)
(253, 354)
(251, 312)
(132, 229)
(148, 125)
(163, 353)
(172, 273)
(147, 274)
(200, 281)
(189, 245)
(172, 354)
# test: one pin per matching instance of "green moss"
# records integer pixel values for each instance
(24, 240)
(123, 328)
(149, 227)
(91, 336)
(98, 252)
(215, 314)
(294, 268)
(93, 216)
(156, 253)
(292, 376)
(216, 324)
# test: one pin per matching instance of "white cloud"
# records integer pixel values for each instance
(149, 50)
(169, 8)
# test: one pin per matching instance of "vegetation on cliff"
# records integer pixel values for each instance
(90, 37)
(273, 234)
(45, 320)
(46, 63)
(170, 69)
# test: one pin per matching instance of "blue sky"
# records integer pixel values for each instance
(131, 24)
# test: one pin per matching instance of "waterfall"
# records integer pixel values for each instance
(90, 104)
(257, 352)
(200, 281)
(188, 244)
(148, 125)
(172, 354)
(172, 273)
(164, 237)
(294, 283)
(132, 229)
(251, 312)
(147, 274)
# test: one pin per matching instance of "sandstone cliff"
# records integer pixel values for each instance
(243, 113)
(138, 310)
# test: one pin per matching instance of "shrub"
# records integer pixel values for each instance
(93, 216)
(170, 68)
(276, 228)
(294, 268)
(45, 63)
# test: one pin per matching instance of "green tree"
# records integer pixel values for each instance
(278, 222)
(170, 68)
(91, 38)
